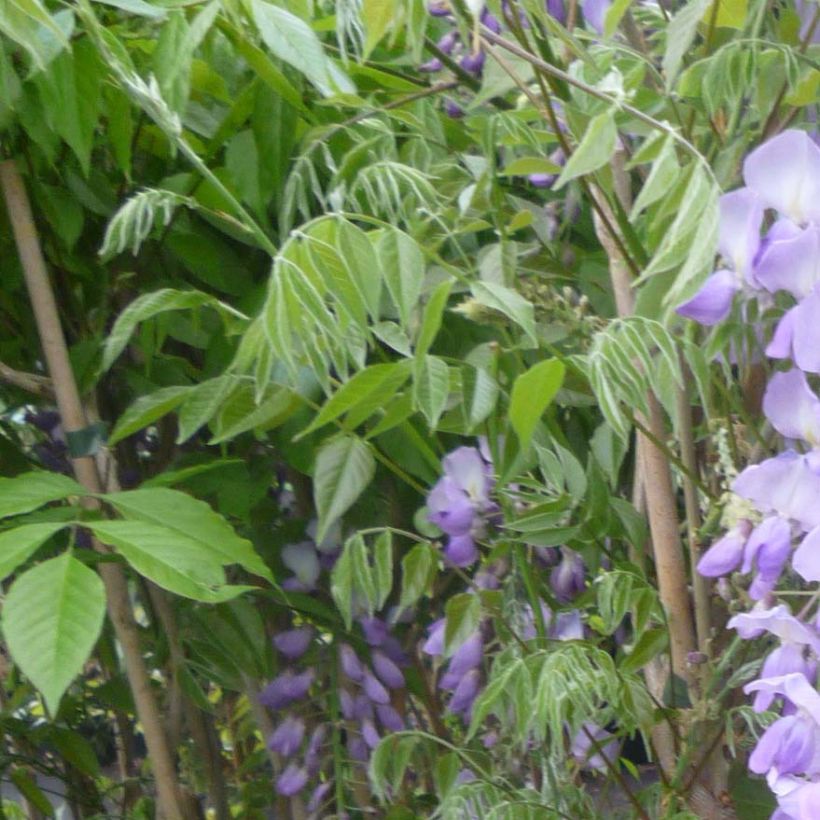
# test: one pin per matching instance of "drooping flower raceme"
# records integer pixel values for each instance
(782, 179)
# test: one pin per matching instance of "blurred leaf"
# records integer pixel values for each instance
(28, 491)
(18, 544)
(531, 395)
(594, 151)
(463, 613)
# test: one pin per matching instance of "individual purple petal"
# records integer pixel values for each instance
(468, 655)
(788, 745)
(375, 630)
(725, 555)
(785, 173)
(795, 688)
(374, 690)
(595, 13)
(287, 737)
(792, 407)
(453, 109)
(541, 180)
(473, 63)
(773, 532)
(370, 734)
(470, 472)
(450, 508)
(363, 707)
(387, 671)
(555, 8)
(780, 347)
(302, 561)
(291, 781)
(447, 42)
(318, 795)
(351, 665)
(791, 263)
(491, 21)
(788, 484)
(294, 642)
(777, 621)
(357, 748)
(741, 215)
(806, 558)
(389, 718)
(568, 578)
(461, 551)
(783, 660)
(713, 302)
(431, 66)
(346, 704)
(439, 8)
(797, 799)
(806, 333)
(462, 700)
(567, 626)
(434, 645)
(391, 646)
(286, 688)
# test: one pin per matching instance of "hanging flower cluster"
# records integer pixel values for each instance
(781, 494)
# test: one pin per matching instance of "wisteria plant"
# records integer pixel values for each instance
(410, 409)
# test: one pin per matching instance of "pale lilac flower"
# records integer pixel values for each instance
(725, 555)
(713, 302)
(351, 665)
(788, 485)
(375, 630)
(787, 658)
(792, 407)
(318, 795)
(287, 737)
(374, 690)
(806, 558)
(777, 621)
(568, 578)
(370, 734)
(301, 559)
(797, 335)
(789, 259)
(389, 718)
(589, 755)
(462, 700)
(292, 780)
(286, 689)
(434, 645)
(768, 548)
(595, 13)
(387, 671)
(461, 550)
(294, 642)
(567, 626)
(785, 173)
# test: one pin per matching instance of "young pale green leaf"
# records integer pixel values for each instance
(378, 16)
(28, 491)
(293, 41)
(531, 395)
(402, 264)
(680, 33)
(395, 413)
(344, 467)
(359, 256)
(383, 567)
(168, 558)
(146, 307)
(614, 15)
(431, 386)
(393, 336)
(463, 613)
(495, 695)
(594, 151)
(273, 410)
(479, 392)
(195, 520)
(368, 390)
(665, 170)
(24, 22)
(147, 409)
(138, 7)
(202, 403)
(341, 586)
(509, 302)
(418, 569)
(19, 544)
(364, 582)
(432, 318)
(651, 644)
(52, 617)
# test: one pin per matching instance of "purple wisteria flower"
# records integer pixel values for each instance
(294, 642)
(292, 780)
(287, 737)
(460, 502)
(568, 578)
(287, 688)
